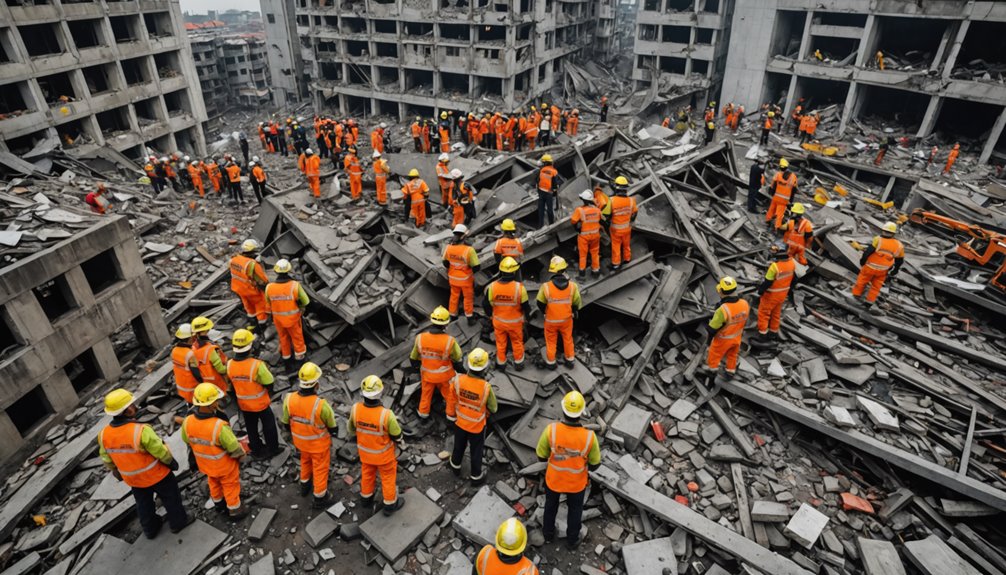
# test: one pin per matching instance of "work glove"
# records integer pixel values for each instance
(173, 466)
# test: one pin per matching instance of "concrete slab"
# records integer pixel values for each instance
(769, 511)
(840, 416)
(264, 566)
(177, 553)
(806, 526)
(878, 414)
(25, 565)
(879, 557)
(649, 557)
(630, 424)
(260, 526)
(934, 557)
(393, 535)
(108, 557)
(681, 409)
(479, 519)
(320, 529)
(457, 563)
(635, 469)
(110, 489)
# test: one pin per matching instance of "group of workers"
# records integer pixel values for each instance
(214, 172)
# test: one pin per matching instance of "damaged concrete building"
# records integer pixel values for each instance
(919, 67)
(233, 70)
(286, 66)
(93, 74)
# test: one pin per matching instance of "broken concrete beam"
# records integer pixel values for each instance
(649, 557)
(630, 424)
(769, 512)
(934, 557)
(879, 415)
(806, 525)
(320, 529)
(879, 557)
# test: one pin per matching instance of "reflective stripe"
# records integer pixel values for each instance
(310, 422)
(443, 356)
(590, 233)
(621, 226)
(583, 453)
(152, 465)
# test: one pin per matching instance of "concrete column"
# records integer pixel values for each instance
(106, 361)
(949, 33)
(955, 48)
(850, 101)
(868, 42)
(930, 117)
(791, 96)
(80, 290)
(10, 437)
(27, 318)
(805, 37)
(994, 135)
(59, 392)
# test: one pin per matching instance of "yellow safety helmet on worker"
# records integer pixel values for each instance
(573, 404)
(508, 225)
(202, 324)
(511, 537)
(509, 265)
(309, 375)
(371, 387)
(242, 340)
(478, 359)
(117, 401)
(440, 316)
(726, 285)
(556, 264)
(206, 394)
(283, 267)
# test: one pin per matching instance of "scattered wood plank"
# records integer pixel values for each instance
(743, 508)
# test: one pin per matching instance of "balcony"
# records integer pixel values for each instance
(181, 121)
(987, 92)
(32, 14)
(60, 113)
(14, 126)
(96, 54)
(154, 5)
(173, 83)
(852, 32)
(55, 62)
(82, 10)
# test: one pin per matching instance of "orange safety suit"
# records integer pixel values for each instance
(878, 264)
(556, 118)
(138, 468)
(508, 134)
(488, 563)
(500, 133)
(213, 171)
(572, 124)
(197, 179)
(252, 396)
(951, 158)
(589, 238)
(185, 382)
(558, 320)
(312, 169)
(460, 196)
(234, 173)
(567, 462)
(770, 304)
(426, 138)
(312, 439)
(258, 174)
(355, 172)
(507, 299)
(443, 178)
(796, 238)
(622, 210)
(783, 192)
(472, 394)
(727, 341)
(377, 140)
(381, 173)
(460, 276)
(483, 129)
(377, 451)
(206, 369)
(223, 473)
(435, 371)
(509, 247)
(418, 191)
(247, 288)
(445, 140)
(281, 299)
(531, 134)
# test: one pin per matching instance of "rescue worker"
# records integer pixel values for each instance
(774, 290)
(417, 133)
(96, 200)
(727, 327)
(475, 401)
(882, 259)
(377, 138)
(286, 301)
(416, 191)
(248, 281)
(184, 365)
(756, 179)
(444, 179)
(252, 383)
(710, 134)
(798, 233)
(531, 131)
(549, 183)
(885, 145)
(587, 221)
(311, 423)
(215, 450)
(879, 58)
(354, 171)
(797, 119)
(604, 109)
(571, 451)
(462, 199)
(559, 299)
(258, 179)
(234, 177)
(766, 128)
(952, 158)
(381, 172)
(437, 356)
(134, 454)
(377, 431)
(462, 263)
(195, 170)
(509, 245)
(620, 212)
(507, 298)
(784, 187)
(508, 556)
(211, 359)
(213, 173)
(573, 123)
(444, 132)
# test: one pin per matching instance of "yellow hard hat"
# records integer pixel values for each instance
(573, 404)
(443, 115)
(621, 181)
(798, 208)
(184, 331)
(202, 324)
(727, 284)
(508, 225)
(546, 159)
(117, 401)
(242, 340)
(282, 267)
(509, 265)
(711, 125)
(556, 264)
(371, 386)
(783, 163)
(309, 374)
(478, 359)
(511, 537)
(440, 316)
(205, 394)
(249, 245)
(890, 227)
(413, 173)
(418, 119)
(771, 114)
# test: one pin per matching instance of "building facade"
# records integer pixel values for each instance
(941, 63)
(286, 66)
(98, 73)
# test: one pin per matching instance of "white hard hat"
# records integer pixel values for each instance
(444, 157)
(383, 125)
(308, 151)
(587, 195)
(164, 158)
(460, 229)
(456, 173)
(251, 163)
(377, 154)
(187, 159)
(254, 158)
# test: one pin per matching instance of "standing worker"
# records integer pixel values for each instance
(377, 138)
(312, 171)
(444, 179)
(798, 232)
(437, 356)
(549, 183)
(184, 365)
(216, 451)
(462, 263)
(879, 58)
(509, 245)
(507, 298)
(212, 361)
(587, 221)
(571, 451)
(377, 431)
(311, 422)
(475, 401)
(710, 133)
(195, 174)
(604, 109)
(252, 383)
(381, 173)
(559, 299)
(138, 457)
(784, 187)
(248, 281)
(417, 135)
(952, 157)
(882, 259)
(766, 128)
(508, 556)
(462, 199)
(234, 177)
(416, 191)
(621, 211)
(286, 301)
(756, 179)
(774, 290)
(727, 327)
(258, 180)
(354, 171)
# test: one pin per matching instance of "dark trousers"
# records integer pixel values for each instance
(418, 144)
(259, 189)
(171, 498)
(546, 206)
(476, 441)
(764, 136)
(322, 148)
(408, 206)
(753, 199)
(268, 421)
(281, 144)
(244, 150)
(574, 502)
(604, 114)
(236, 194)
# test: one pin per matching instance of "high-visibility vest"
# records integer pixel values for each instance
(309, 432)
(505, 299)
(184, 380)
(204, 439)
(416, 189)
(352, 166)
(457, 255)
(567, 462)
(768, 123)
(252, 396)
(415, 129)
(589, 218)
(312, 166)
(472, 394)
(234, 174)
(372, 439)
(887, 250)
(488, 563)
(443, 171)
(435, 356)
(194, 173)
(241, 281)
(784, 273)
(259, 174)
(509, 247)
(137, 467)
(622, 208)
(783, 186)
(545, 177)
(381, 170)
(796, 235)
(283, 303)
(558, 303)
(736, 314)
(210, 375)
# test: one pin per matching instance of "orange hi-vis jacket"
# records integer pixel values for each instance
(283, 300)
(545, 177)
(352, 166)
(310, 434)
(589, 218)
(435, 356)
(194, 173)
(488, 563)
(184, 380)
(509, 247)
(312, 166)
(558, 303)
(204, 439)
(736, 314)
(416, 130)
(783, 186)
(258, 174)
(443, 172)
(883, 256)
(796, 235)
(457, 255)
(505, 298)
(472, 394)
(567, 463)
(622, 210)
(785, 272)
(137, 467)
(241, 282)
(234, 173)
(206, 369)
(768, 123)
(252, 396)
(416, 189)
(372, 438)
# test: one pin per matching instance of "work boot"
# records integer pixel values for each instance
(867, 304)
(367, 504)
(730, 375)
(519, 366)
(220, 507)
(552, 366)
(501, 367)
(455, 469)
(305, 488)
(596, 273)
(322, 502)
(390, 509)
(155, 529)
(480, 480)
(189, 520)
(238, 514)
(569, 362)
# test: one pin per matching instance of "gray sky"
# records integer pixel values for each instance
(201, 6)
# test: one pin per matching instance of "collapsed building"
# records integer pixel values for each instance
(233, 69)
